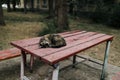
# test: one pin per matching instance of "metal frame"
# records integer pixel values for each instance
(55, 72)
(74, 61)
(104, 65)
(31, 63)
(105, 60)
(23, 77)
(23, 64)
(56, 66)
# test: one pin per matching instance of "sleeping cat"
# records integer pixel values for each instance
(52, 40)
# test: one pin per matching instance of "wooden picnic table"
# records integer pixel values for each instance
(77, 41)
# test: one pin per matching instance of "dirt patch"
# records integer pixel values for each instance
(10, 70)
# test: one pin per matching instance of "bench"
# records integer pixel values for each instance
(77, 41)
(9, 53)
(12, 53)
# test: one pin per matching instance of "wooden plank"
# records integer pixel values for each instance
(26, 42)
(72, 40)
(32, 41)
(73, 34)
(68, 39)
(63, 54)
(78, 37)
(69, 32)
(9, 53)
(47, 51)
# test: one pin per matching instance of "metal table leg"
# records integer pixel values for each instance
(31, 63)
(105, 60)
(22, 65)
(55, 72)
(74, 61)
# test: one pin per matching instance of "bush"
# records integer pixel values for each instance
(100, 16)
(107, 15)
(115, 17)
(49, 28)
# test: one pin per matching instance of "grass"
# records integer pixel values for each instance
(21, 26)
(98, 51)
(16, 29)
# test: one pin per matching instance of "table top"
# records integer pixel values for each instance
(77, 41)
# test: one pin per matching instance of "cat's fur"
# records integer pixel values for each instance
(52, 40)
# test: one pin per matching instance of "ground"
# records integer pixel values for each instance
(21, 26)
(10, 70)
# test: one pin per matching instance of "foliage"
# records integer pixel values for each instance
(115, 17)
(99, 16)
(49, 28)
(5, 1)
(108, 13)
(100, 11)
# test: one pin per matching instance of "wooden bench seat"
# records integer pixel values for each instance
(9, 53)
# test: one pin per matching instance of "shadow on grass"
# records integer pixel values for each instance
(10, 72)
(81, 72)
(10, 69)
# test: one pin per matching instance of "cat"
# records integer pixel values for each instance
(52, 41)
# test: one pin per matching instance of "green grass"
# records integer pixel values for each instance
(22, 26)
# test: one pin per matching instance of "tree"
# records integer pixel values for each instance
(1, 15)
(25, 7)
(61, 12)
(51, 9)
(38, 4)
(14, 5)
(32, 5)
(71, 6)
(8, 5)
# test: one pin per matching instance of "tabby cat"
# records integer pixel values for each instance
(52, 40)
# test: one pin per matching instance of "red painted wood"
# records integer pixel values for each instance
(46, 51)
(69, 32)
(32, 41)
(71, 39)
(68, 39)
(9, 53)
(76, 41)
(72, 34)
(63, 54)
(26, 42)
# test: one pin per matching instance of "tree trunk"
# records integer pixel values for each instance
(14, 5)
(51, 10)
(25, 7)
(8, 6)
(71, 6)
(1, 15)
(61, 11)
(32, 5)
(38, 4)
